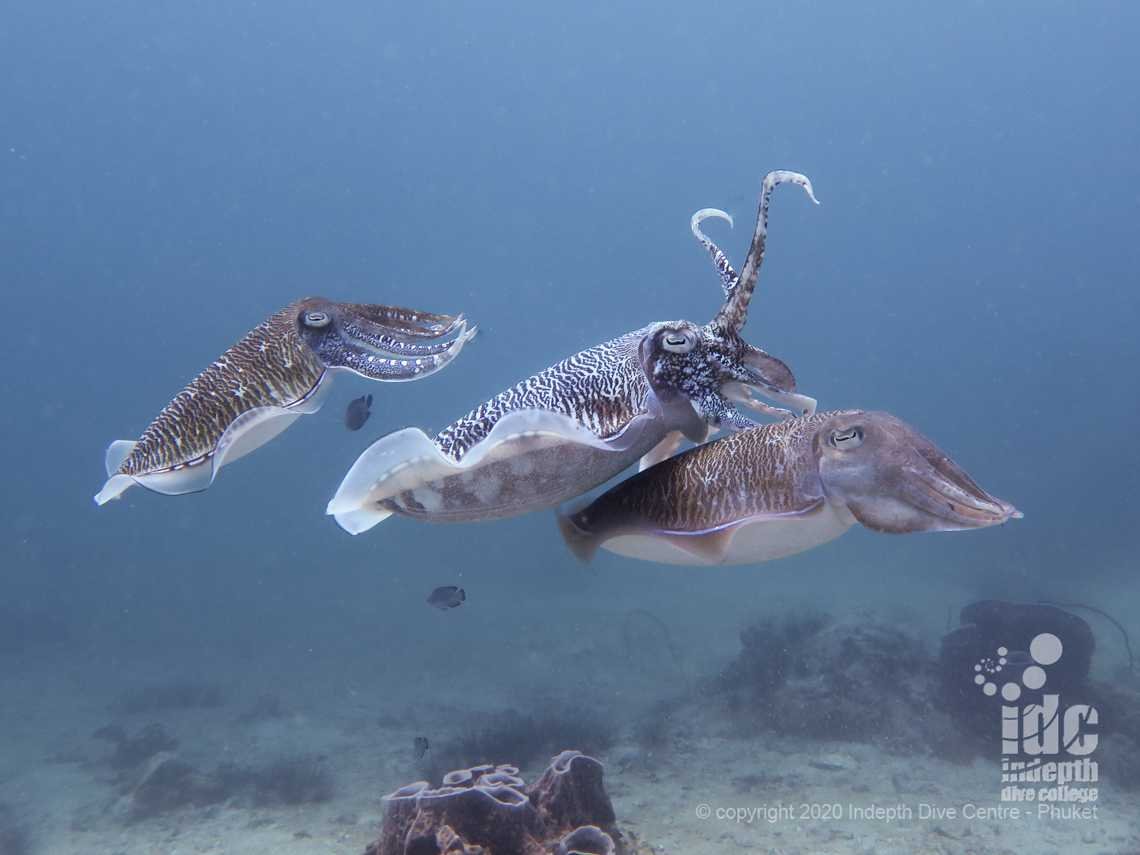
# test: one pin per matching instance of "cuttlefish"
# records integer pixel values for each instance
(278, 372)
(580, 422)
(783, 488)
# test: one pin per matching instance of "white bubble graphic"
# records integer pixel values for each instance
(1033, 677)
(1045, 648)
(990, 689)
(1002, 651)
(978, 667)
(1011, 691)
(979, 679)
(1002, 661)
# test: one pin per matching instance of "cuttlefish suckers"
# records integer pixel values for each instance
(278, 372)
(782, 488)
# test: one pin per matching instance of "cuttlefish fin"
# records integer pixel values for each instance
(180, 481)
(249, 431)
(116, 485)
(359, 521)
(117, 452)
(584, 544)
(709, 547)
(402, 460)
(665, 449)
(409, 459)
(751, 539)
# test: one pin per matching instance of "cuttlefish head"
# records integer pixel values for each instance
(711, 365)
(380, 342)
(893, 479)
(714, 368)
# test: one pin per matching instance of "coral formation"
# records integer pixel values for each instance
(488, 810)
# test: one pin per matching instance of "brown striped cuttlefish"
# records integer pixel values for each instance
(278, 372)
(782, 488)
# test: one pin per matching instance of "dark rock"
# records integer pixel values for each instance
(991, 624)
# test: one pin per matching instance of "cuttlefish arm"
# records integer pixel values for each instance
(779, 489)
(728, 276)
(276, 373)
(738, 293)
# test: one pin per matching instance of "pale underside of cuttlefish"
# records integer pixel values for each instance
(567, 429)
(281, 370)
(783, 488)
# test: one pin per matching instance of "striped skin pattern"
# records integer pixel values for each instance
(603, 388)
(721, 482)
(281, 362)
(270, 366)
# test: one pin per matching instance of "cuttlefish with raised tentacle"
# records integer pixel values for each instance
(280, 371)
(782, 488)
(582, 421)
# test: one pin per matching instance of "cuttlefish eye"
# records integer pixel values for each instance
(316, 320)
(681, 341)
(846, 438)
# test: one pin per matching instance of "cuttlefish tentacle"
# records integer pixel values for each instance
(278, 372)
(580, 422)
(728, 276)
(783, 488)
(734, 313)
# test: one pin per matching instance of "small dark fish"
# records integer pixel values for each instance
(421, 747)
(357, 412)
(447, 597)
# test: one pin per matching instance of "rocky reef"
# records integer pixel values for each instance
(859, 678)
(490, 810)
(856, 678)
